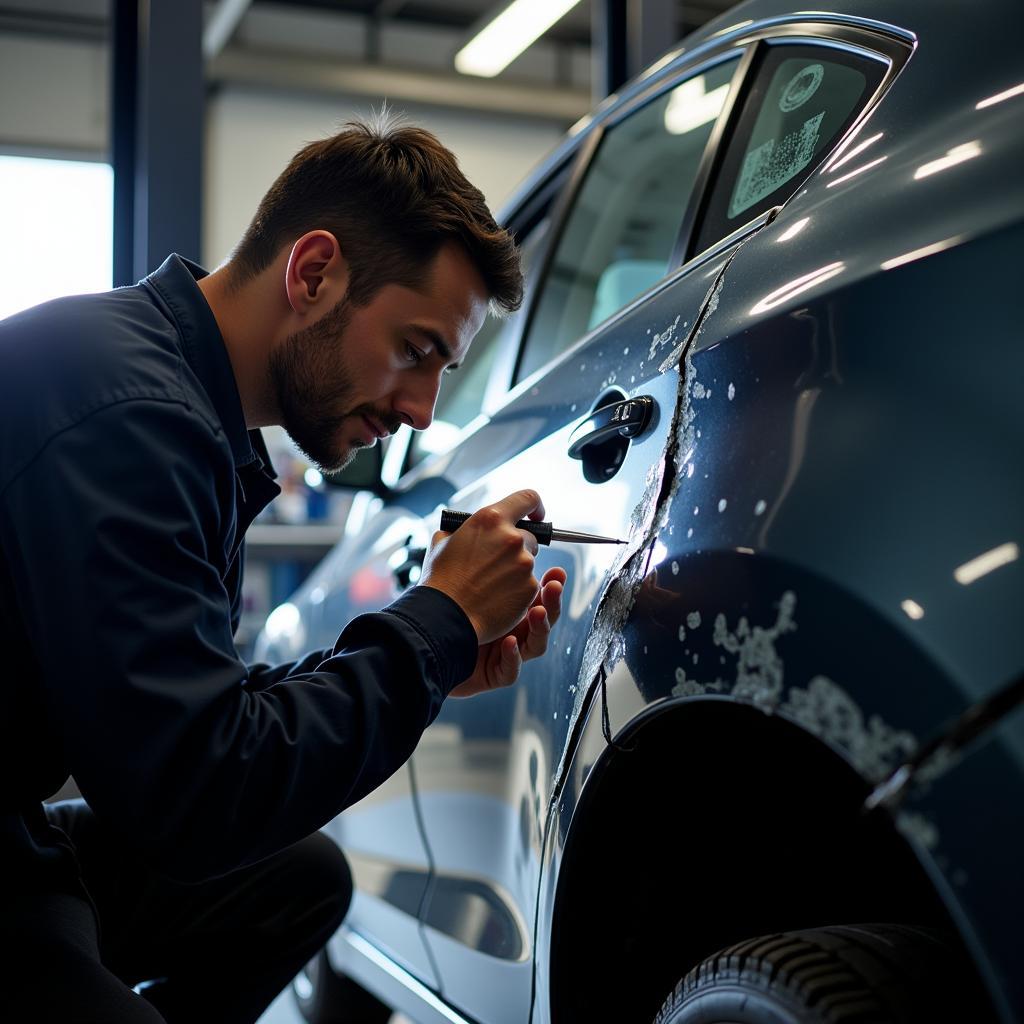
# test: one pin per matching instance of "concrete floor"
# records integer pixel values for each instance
(282, 1011)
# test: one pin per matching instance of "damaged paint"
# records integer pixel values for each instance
(650, 515)
(874, 747)
(665, 337)
(604, 643)
(823, 707)
(759, 668)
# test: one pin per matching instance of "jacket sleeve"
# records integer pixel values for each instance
(260, 675)
(111, 533)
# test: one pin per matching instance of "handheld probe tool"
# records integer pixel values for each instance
(544, 532)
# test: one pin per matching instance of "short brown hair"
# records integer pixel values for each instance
(392, 195)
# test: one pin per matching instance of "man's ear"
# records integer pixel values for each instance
(317, 276)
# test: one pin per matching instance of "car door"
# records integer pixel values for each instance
(603, 333)
(380, 555)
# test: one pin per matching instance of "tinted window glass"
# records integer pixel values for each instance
(623, 225)
(802, 100)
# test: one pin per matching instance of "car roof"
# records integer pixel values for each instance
(990, 22)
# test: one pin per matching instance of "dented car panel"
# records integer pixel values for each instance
(823, 524)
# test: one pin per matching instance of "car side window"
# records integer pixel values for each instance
(622, 229)
(463, 392)
(801, 101)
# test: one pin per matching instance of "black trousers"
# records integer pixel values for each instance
(220, 951)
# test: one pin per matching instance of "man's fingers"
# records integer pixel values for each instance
(511, 661)
(520, 505)
(538, 629)
(551, 598)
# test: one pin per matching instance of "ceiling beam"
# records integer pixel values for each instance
(385, 9)
(221, 26)
(269, 69)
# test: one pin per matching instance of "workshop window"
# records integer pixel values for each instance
(57, 236)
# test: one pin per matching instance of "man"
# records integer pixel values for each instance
(130, 466)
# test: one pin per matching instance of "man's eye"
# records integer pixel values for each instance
(414, 353)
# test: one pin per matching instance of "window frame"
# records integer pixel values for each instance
(585, 161)
(863, 37)
(758, 54)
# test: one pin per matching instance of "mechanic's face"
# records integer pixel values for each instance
(362, 371)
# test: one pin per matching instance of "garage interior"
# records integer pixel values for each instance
(132, 129)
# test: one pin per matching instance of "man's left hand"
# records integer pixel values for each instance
(498, 662)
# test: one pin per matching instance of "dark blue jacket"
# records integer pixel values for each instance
(127, 481)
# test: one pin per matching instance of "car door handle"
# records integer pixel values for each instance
(621, 419)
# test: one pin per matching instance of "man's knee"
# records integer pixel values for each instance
(52, 971)
(325, 877)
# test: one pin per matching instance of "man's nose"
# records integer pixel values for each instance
(416, 403)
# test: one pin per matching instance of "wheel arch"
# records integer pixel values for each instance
(710, 822)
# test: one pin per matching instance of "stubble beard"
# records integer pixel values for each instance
(314, 389)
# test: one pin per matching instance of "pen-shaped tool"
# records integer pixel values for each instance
(544, 532)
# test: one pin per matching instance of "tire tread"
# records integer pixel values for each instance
(841, 974)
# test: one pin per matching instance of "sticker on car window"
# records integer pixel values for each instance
(801, 87)
(773, 163)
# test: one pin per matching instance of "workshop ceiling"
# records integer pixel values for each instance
(573, 28)
(401, 49)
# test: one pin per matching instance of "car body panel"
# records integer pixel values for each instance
(517, 741)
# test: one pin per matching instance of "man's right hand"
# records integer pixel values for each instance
(486, 566)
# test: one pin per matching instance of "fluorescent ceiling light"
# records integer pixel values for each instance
(496, 45)
(859, 148)
(854, 173)
(689, 106)
(796, 286)
(1017, 90)
(986, 563)
(954, 156)
(793, 229)
(917, 254)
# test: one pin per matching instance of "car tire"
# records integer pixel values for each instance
(882, 973)
(325, 997)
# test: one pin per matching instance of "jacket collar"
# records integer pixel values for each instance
(203, 344)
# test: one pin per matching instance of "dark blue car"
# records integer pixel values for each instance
(772, 769)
